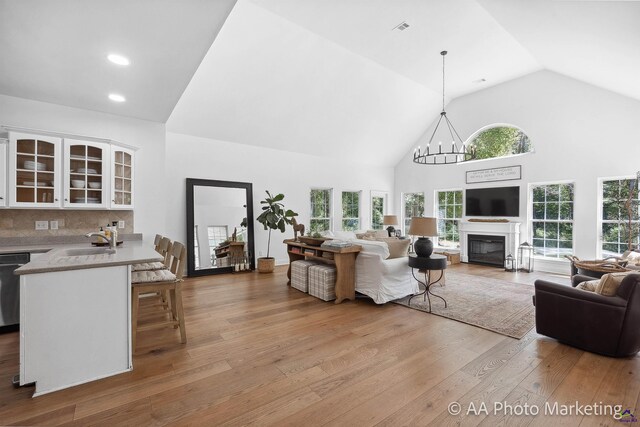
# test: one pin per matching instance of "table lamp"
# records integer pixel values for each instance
(425, 228)
(390, 220)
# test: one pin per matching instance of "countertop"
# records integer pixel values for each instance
(56, 257)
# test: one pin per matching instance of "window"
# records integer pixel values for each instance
(320, 210)
(499, 141)
(448, 212)
(377, 212)
(413, 205)
(216, 234)
(196, 247)
(350, 210)
(620, 222)
(552, 219)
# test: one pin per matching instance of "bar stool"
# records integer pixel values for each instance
(167, 282)
(161, 245)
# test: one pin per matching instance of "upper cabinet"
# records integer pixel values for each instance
(64, 171)
(86, 169)
(122, 165)
(34, 170)
(3, 176)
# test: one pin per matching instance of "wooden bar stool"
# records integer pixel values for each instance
(162, 245)
(167, 282)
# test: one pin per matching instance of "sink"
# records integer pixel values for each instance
(87, 251)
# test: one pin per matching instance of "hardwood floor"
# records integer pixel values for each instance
(259, 352)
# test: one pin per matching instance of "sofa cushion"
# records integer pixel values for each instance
(344, 235)
(609, 284)
(375, 247)
(589, 285)
(398, 248)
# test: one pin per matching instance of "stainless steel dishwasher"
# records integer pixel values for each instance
(10, 290)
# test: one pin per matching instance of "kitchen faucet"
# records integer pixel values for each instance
(111, 240)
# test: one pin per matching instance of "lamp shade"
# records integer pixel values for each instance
(390, 220)
(421, 226)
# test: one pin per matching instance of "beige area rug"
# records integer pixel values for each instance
(493, 304)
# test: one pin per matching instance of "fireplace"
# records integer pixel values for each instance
(486, 249)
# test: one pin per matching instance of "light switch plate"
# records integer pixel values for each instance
(120, 224)
(53, 225)
(42, 225)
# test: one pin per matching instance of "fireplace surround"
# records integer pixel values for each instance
(509, 230)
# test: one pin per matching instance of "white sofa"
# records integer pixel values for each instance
(380, 278)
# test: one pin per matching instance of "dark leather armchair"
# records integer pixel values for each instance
(592, 322)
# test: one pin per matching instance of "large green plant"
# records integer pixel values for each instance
(274, 216)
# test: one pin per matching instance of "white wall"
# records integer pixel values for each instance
(151, 198)
(579, 133)
(284, 172)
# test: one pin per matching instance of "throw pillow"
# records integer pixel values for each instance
(609, 283)
(398, 248)
(386, 239)
(589, 286)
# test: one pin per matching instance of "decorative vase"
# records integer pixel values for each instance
(423, 247)
(266, 265)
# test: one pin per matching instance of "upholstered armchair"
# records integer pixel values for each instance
(601, 324)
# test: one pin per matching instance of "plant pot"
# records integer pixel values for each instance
(266, 265)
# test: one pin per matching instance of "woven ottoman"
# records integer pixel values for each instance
(322, 281)
(300, 274)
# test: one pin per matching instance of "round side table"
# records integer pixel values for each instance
(433, 263)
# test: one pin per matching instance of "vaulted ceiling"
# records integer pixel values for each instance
(322, 77)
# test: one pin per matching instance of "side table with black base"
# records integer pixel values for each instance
(427, 265)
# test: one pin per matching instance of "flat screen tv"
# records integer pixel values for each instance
(496, 201)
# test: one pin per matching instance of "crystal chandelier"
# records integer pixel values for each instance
(444, 154)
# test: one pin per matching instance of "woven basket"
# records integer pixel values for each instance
(597, 266)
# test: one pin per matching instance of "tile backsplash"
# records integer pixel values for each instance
(22, 222)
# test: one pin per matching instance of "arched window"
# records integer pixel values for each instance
(499, 141)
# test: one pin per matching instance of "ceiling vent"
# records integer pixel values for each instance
(401, 26)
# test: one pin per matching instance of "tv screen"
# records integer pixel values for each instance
(497, 201)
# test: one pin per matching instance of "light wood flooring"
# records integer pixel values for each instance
(259, 352)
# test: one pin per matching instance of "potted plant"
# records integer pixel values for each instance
(274, 216)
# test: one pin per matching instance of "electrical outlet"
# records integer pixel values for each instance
(42, 225)
(53, 225)
(120, 224)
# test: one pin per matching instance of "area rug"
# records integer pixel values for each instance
(493, 304)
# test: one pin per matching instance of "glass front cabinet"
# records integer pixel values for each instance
(86, 168)
(4, 143)
(122, 164)
(34, 170)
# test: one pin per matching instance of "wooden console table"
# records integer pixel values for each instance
(343, 258)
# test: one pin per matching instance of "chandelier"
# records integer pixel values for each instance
(444, 154)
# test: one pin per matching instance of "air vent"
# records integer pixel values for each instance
(401, 26)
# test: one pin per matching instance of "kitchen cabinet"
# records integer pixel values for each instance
(86, 168)
(122, 176)
(34, 170)
(3, 176)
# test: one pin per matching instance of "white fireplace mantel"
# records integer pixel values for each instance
(509, 230)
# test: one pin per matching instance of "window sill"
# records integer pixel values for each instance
(549, 259)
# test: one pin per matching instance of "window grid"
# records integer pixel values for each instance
(552, 219)
(614, 225)
(320, 218)
(216, 235)
(413, 205)
(449, 212)
(350, 210)
(377, 212)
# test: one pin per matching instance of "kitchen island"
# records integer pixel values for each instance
(75, 314)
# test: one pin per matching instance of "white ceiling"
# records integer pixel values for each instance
(323, 77)
(55, 51)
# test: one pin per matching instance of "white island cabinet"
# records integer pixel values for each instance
(75, 315)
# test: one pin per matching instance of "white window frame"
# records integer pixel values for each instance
(530, 218)
(600, 221)
(405, 226)
(330, 217)
(212, 250)
(436, 206)
(359, 217)
(196, 247)
(385, 203)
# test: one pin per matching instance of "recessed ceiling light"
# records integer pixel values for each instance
(116, 98)
(118, 59)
